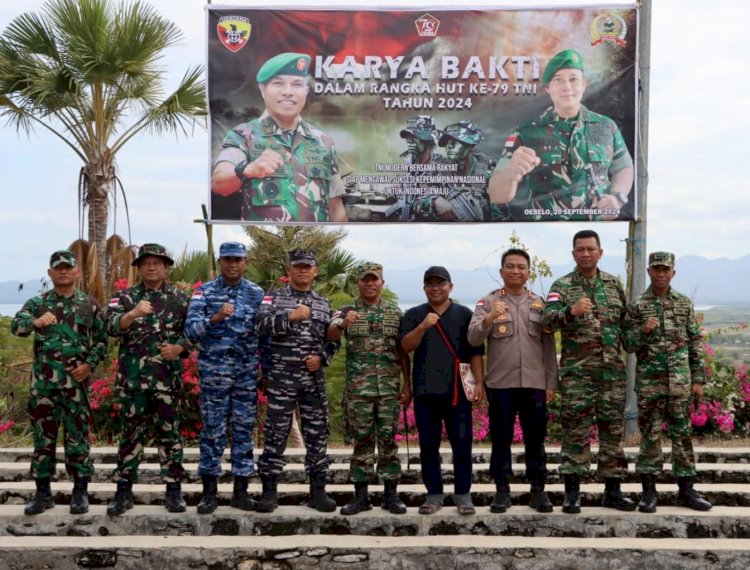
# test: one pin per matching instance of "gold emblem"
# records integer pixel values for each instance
(501, 329)
(609, 28)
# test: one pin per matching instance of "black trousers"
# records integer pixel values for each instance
(531, 407)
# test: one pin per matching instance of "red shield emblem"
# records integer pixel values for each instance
(234, 31)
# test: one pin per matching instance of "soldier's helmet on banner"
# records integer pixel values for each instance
(421, 126)
(465, 132)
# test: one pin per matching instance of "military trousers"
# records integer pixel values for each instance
(431, 413)
(588, 397)
(52, 403)
(234, 402)
(530, 406)
(655, 410)
(288, 389)
(373, 420)
(150, 409)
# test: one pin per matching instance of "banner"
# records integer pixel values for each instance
(334, 116)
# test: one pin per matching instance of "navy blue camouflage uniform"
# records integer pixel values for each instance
(228, 366)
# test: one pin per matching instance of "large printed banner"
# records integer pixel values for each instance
(422, 115)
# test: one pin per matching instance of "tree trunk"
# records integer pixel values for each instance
(100, 176)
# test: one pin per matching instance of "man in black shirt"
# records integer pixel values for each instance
(435, 331)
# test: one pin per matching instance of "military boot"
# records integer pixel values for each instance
(123, 499)
(538, 499)
(689, 497)
(210, 499)
(572, 501)
(269, 500)
(79, 502)
(240, 499)
(174, 502)
(319, 499)
(501, 502)
(42, 499)
(613, 497)
(391, 501)
(360, 502)
(647, 504)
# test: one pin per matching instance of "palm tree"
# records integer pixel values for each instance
(86, 70)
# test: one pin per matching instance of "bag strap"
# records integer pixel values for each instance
(456, 363)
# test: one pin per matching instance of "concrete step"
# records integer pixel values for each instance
(481, 454)
(667, 522)
(372, 552)
(724, 494)
(339, 473)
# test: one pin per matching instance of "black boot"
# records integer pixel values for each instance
(647, 504)
(210, 499)
(689, 497)
(360, 502)
(270, 499)
(391, 501)
(319, 499)
(174, 502)
(79, 502)
(123, 499)
(613, 497)
(572, 501)
(42, 499)
(538, 499)
(240, 499)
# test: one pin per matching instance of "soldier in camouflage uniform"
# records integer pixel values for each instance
(292, 326)
(149, 320)
(570, 160)
(221, 318)
(588, 306)
(286, 169)
(374, 363)
(660, 328)
(69, 341)
(464, 202)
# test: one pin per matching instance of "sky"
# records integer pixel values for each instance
(698, 198)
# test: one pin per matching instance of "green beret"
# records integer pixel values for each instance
(284, 64)
(566, 59)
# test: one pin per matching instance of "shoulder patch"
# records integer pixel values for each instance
(553, 297)
(267, 300)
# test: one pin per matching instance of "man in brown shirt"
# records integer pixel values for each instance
(521, 376)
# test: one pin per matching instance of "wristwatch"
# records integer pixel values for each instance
(623, 198)
(239, 169)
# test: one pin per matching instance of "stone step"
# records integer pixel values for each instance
(724, 494)
(372, 552)
(593, 522)
(343, 454)
(339, 473)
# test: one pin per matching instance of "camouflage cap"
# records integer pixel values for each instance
(370, 268)
(62, 257)
(302, 257)
(155, 250)
(463, 131)
(566, 59)
(232, 249)
(661, 258)
(284, 64)
(422, 127)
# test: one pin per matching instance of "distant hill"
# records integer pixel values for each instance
(707, 281)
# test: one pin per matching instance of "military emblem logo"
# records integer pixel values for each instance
(608, 29)
(427, 25)
(234, 31)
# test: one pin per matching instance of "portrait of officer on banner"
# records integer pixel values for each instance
(570, 163)
(284, 168)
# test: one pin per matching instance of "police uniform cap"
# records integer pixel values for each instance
(62, 257)
(155, 250)
(661, 258)
(370, 268)
(302, 257)
(463, 131)
(437, 271)
(232, 249)
(284, 64)
(422, 127)
(566, 59)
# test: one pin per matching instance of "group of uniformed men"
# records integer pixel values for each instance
(287, 336)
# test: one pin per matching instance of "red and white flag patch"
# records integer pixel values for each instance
(197, 294)
(480, 303)
(510, 142)
(553, 297)
(113, 302)
(267, 300)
